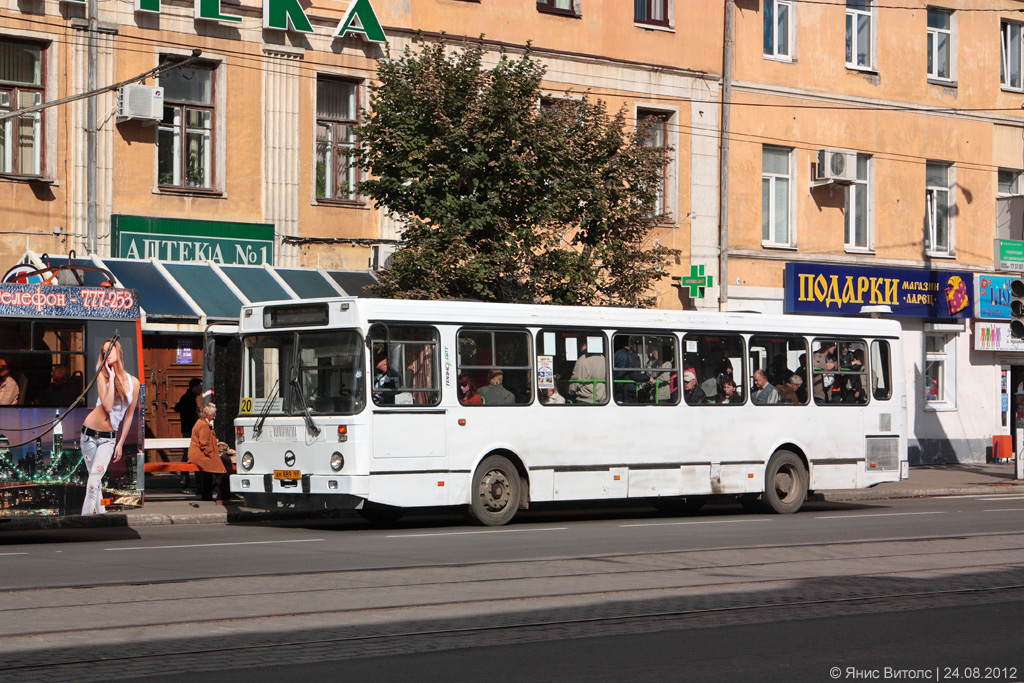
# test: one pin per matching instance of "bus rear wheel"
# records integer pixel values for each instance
(495, 493)
(785, 483)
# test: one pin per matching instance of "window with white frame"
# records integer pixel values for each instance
(939, 376)
(940, 43)
(651, 12)
(777, 22)
(21, 86)
(858, 207)
(657, 136)
(185, 135)
(336, 115)
(1009, 182)
(775, 196)
(1010, 47)
(859, 30)
(938, 203)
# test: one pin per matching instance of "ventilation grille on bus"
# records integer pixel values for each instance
(883, 453)
(885, 422)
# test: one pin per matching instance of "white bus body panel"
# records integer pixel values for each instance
(415, 456)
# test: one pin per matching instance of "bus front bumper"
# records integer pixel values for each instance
(316, 484)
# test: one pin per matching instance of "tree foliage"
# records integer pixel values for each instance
(502, 200)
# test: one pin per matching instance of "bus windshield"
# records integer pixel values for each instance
(327, 365)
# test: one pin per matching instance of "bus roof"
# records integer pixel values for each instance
(366, 311)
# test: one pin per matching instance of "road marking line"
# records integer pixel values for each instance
(715, 521)
(884, 514)
(1005, 510)
(471, 533)
(213, 545)
(6, 554)
(984, 496)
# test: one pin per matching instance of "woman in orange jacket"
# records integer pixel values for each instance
(203, 453)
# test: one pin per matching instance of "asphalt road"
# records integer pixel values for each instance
(557, 593)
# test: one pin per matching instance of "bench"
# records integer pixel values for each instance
(171, 467)
(169, 444)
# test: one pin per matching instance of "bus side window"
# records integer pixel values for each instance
(645, 369)
(784, 361)
(710, 360)
(572, 367)
(404, 365)
(881, 371)
(494, 367)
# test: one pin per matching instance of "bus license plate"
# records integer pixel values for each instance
(287, 474)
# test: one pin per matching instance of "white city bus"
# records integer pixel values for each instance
(370, 404)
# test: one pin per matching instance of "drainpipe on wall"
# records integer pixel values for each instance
(90, 135)
(723, 169)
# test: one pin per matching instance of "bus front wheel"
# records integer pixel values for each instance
(785, 483)
(495, 493)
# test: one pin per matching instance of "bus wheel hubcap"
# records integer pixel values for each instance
(784, 483)
(495, 491)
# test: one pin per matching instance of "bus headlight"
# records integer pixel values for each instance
(247, 461)
(337, 461)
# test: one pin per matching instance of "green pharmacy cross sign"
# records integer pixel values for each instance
(697, 281)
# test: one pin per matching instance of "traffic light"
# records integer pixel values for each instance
(1017, 308)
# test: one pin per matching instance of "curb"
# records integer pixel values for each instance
(872, 494)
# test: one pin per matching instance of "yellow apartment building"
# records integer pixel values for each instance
(182, 185)
(872, 141)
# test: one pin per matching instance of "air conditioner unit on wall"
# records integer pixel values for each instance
(836, 166)
(382, 254)
(140, 102)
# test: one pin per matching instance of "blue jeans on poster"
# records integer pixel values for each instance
(97, 453)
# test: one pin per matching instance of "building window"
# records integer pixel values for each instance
(1009, 182)
(939, 216)
(940, 44)
(776, 29)
(657, 136)
(21, 86)
(557, 7)
(858, 208)
(1010, 46)
(939, 386)
(858, 34)
(336, 115)
(185, 137)
(775, 196)
(651, 12)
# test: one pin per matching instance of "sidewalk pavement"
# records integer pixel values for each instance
(166, 504)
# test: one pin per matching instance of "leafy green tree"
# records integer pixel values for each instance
(503, 200)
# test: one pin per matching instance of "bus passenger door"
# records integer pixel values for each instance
(409, 444)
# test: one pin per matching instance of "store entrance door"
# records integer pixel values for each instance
(170, 362)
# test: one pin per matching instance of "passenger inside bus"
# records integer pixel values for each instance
(494, 393)
(788, 390)
(729, 394)
(550, 394)
(62, 391)
(468, 395)
(694, 394)
(589, 375)
(626, 375)
(661, 384)
(10, 392)
(385, 381)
